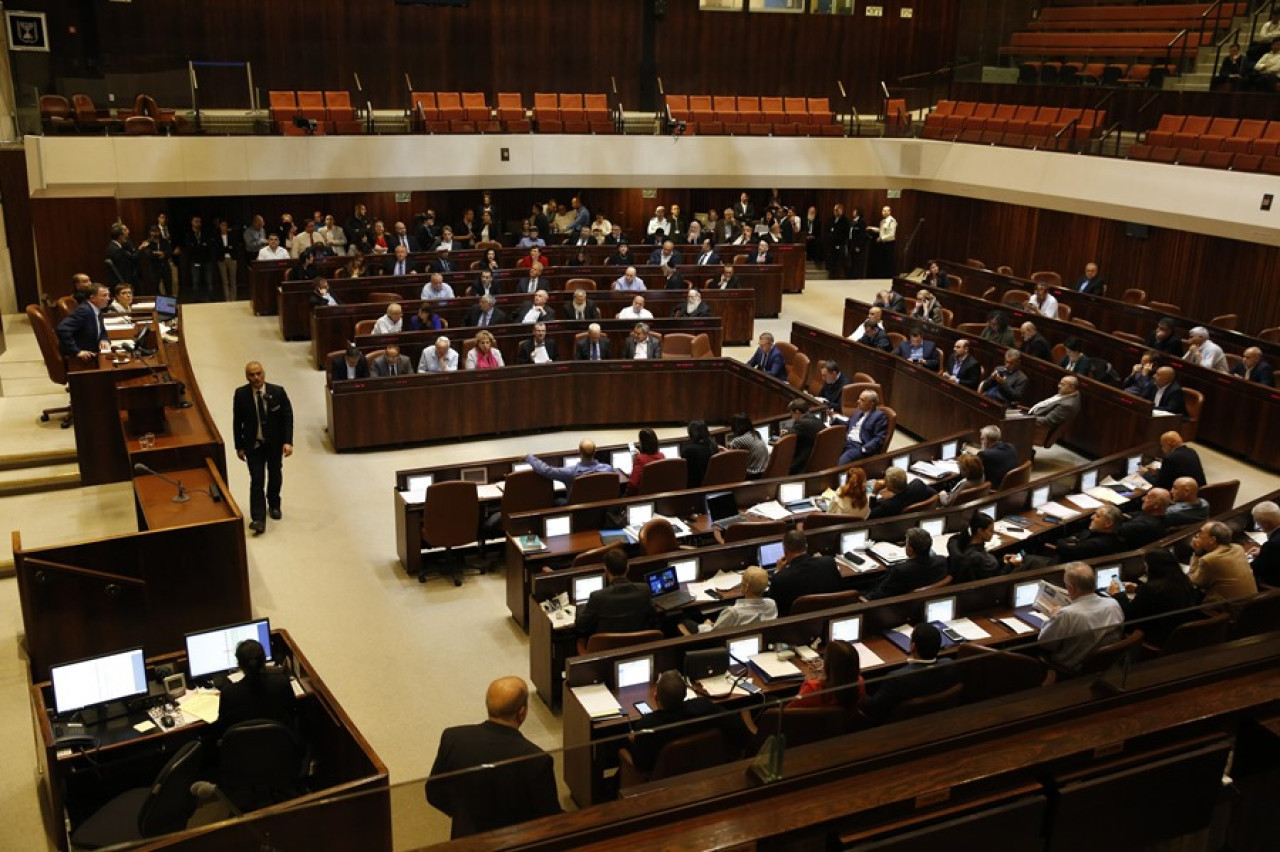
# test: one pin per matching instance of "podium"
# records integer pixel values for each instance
(145, 399)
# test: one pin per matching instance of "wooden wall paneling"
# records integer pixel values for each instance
(14, 192)
(71, 236)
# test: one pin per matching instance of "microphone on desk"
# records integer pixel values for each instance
(180, 497)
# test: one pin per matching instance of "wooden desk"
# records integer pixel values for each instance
(157, 509)
(72, 786)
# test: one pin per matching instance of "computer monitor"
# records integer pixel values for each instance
(790, 492)
(98, 680)
(421, 482)
(721, 505)
(1106, 575)
(770, 554)
(620, 460)
(633, 672)
(478, 475)
(934, 526)
(586, 584)
(686, 570)
(941, 609)
(662, 581)
(670, 451)
(853, 541)
(519, 466)
(639, 514)
(558, 525)
(847, 629)
(1024, 594)
(1132, 464)
(1088, 479)
(763, 432)
(213, 652)
(743, 648)
(1040, 496)
(902, 462)
(570, 461)
(949, 450)
(167, 307)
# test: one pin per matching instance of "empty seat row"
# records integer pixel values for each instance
(81, 115)
(331, 112)
(1217, 159)
(568, 113)
(1129, 16)
(469, 112)
(1096, 73)
(952, 119)
(751, 115)
(1234, 135)
(1127, 44)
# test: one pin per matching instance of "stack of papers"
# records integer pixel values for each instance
(1011, 530)
(1017, 625)
(968, 629)
(719, 686)
(935, 469)
(202, 704)
(117, 323)
(867, 657)
(1058, 510)
(1107, 495)
(768, 664)
(597, 701)
(725, 581)
(1084, 501)
(771, 509)
(887, 552)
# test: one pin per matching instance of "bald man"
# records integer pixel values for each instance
(482, 796)
(1150, 524)
(1179, 460)
(1165, 393)
(1253, 369)
(262, 422)
(586, 464)
(1188, 506)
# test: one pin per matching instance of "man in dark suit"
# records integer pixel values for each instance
(805, 425)
(1075, 361)
(1149, 524)
(82, 332)
(443, 263)
(1165, 393)
(868, 429)
(875, 336)
(1007, 383)
(1090, 283)
(122, 257)
(917, 350)
(673, 279)
(510, 780)
(595, 346)
(263, 693)
(890, 300)
(397, 263)
(708, 256)
(833, 382)
(400, 236)
(665, 255)
(536, 309)
(197, 259)
(486, 286)
(1179, 460)
(924, 674)
(674, 717)
(964, 368)
(727, 280)
(922, 568)
(1102, 538)
(693, 307)
(838, 244)
(392, 363)
(537, 349)
(1266, 559)
(620, 607)
(761, 255)
(998, 457)
(894, 494)
(800, 573)
(532, 282)
(768, 358)
(262, 422)
(349, 365)
(1034, 344)
(485, 313)
(744, 210)
(1253, 369)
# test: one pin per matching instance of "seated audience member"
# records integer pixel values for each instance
(998, 331)
(746, 438)
(1091, 283)
(1075, 361)
(752, 608)
(971, 476)
(801, 573)
(392, 363)
(868, 429)
(922, 568)
(536, 309)
(666, 255)
(924, 674)
(727, 280)
(436, 288)
(635, 311)
(485, 313)
(1007, 383)
(851, 497)
(890, 300)
(518, 781)
(1088, 622)
(1188, 506)
(935, 278)
(805, 425)
(646, 451)
(761, 255)
(586, 463)
(320, 296)
(1266, 71)
(697, 451)
(537, 349)
(531, 239)
(874, 336)
(273, 250)
(535, 255)
(439, 358)
(967, 556)
(349, 365)
(833, 383)
(1178, 460)
(874, 313)
(708, 256)
(581, 308)
(1203, 351)
(490, 262)
(1141, 379)
(642, 345)
(1266, 559)
(398, 263)
(692, 308)
(532, 282)
(1220, 568)
(123, 302)
(1251, 368)
(1102, 538)
(1164, 338)
(621, 606)
(675, 716)
(595, 346)
(1033, 343)
(484, 355)
(659, 222)
(927, 307)
(917, 350)
(892, 495)
(391, 322)
(839, 684)
(768, 358)
(1042, 302)
(621, 256)
(426, 319)
(1232, 70)
(998, 457)
(306, 270)
(964, 369)
(355, 267)
(1061, 408)
(1165, 393)
(1167, 592)
(1149, 523)
(629, 281)
(263, 693)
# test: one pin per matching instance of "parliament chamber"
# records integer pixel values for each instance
(1177, 745)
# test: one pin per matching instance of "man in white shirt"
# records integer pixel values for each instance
(1090, 621)
(439, 358)
(391, 322)
(1043, 302)
(629, 281)
(435, 288)
(532, 239)
(873, 314)
(273, 250)
(751, 608)
(659, 220)
(1204, 351)
(885, 236)
(642, 345)
(635, 311)
(303, 240)
(536, 311)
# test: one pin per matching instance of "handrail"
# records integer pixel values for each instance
(1115, 128)
(86, 573)
(1070, 125)
(1148, 103)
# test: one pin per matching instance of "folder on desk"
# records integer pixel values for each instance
(772, 669)
(888, 553)
(597, 700)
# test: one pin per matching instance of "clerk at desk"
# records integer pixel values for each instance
(261, 694)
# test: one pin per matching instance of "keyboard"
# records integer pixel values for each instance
(725, 523)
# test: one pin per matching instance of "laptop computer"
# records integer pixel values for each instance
(620, 460)
(686, 570)
(791, 496)
(769, 555)
(846, 629)
(666, 590)
(722, 509)
(584, 586)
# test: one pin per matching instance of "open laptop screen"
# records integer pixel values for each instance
(943, 609)
(585, 585)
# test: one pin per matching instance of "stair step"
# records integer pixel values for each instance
(29, 480)
(19, 461)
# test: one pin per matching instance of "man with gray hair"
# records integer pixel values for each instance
(1100, 539)
(894, 494)
(1266, 559)
(921, 569)
(594, 346)
(641, 344)
(1061, 408)
(439, 358)
(998, 457)
(1219, 567)
(1088, 622)
(1203, 351)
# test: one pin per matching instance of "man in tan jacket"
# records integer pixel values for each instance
(1220, 568)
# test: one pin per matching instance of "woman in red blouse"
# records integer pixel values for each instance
(647, 452)
(840, 668)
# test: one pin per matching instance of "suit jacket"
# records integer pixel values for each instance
(582, 351)
(675, 281)
(878, 339)
(1082, 366)
(1037, 347)
(1094, 289)
(523, 286)
(617, 608)
(733, 284)
(525, 353)
(495, 287)
(1013, 389)
(382, 366)
(655, 258)
(81, 330)
(338, 367)
(804, 575)
(998, 460)
(1224, 574)
(911, 681)
(910, 575)
(590, 312)
(872, 432)
(268, 696)
(651, 343)
(1262, 373)
(1140, 530)
(1061, 412)
(1181, 461)
(496, 317)
(806, 430)
(389, 265)
(1266, 565)
(970, 372)
(1089, 545)
(682, 312)
(278, 428)
(712, 259)
(443, 266)
(888, 507)
(495, 796)
(744, 212)
(833, 391)
(754, 257)
(771, 363)
(393, 240)
(124, 260)
(930, 353)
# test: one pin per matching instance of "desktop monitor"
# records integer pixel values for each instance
(763, 432)
(662, 581)
(639, 514)
(770, 554)
(743, 649)
(941, 609)
(519, 466)
(949, 450)
(98, 680)
(558, 525)
(934, 526)
(571, 461)
(846, 629)
(478, 475)
(586, 584)
(620, 460)
(790, 492)
(1132, 464)
(686, 570)
(1024, 594)
(1106, 575)
(1088, 479)
(167, 307)
(853, 541)
(418, 483)
(721, 505)
(213, 652)
(1040, 496)
(634, 672)
(902, 462)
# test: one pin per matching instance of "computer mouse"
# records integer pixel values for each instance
(166, 720)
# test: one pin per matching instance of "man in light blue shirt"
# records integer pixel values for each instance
(439, 358)
(581, 216)
(436, 288)
(532, 239)
(586, 464)
(629, 281)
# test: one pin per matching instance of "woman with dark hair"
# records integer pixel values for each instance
(354, 267)
(263, 693)
(306, 270)
(579, 259)
(745, 438)
(646, 451)
(967, 556)
(490, 261)
(697, 451)
(998, 331)
(841, 682)
(972, 475)
(1167, 590)
(851, 496)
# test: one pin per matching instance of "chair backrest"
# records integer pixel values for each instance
(140, 125)
(819, 520)
(658, 536)
(677, 344)
(970, 494)
(1053, 279)
(849, 395)
(1134, 296)
(594, 487)
(451, 513)
(744, 530)
(664, 475)
(170, 804)
(827, 447)
(1221, 496)
(526, 491)
(923, 704)
(601, 642)
(784, 451)
(828, 600)
(382, 298)
(1102, 658)
(700, 347)
(1164, 307)
(580, 284)
(365, 326)
(1019, 475)
(260, 755)
(54, 362)
(1193, 635)
(727, 467)
(891, 428)
(990, 673)
(1260, 615)
(55, 106)
(945, 581)
(595, 556)
(66, 304)
(803, 725)
(690, 753)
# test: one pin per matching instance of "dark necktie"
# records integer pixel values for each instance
(595, 351)
(400, 267)
(445, 267)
